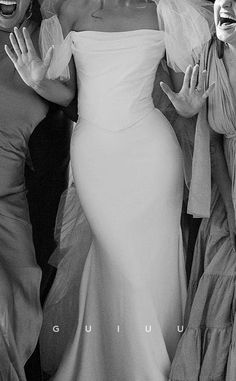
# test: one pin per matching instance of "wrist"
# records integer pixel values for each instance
(186, 114)
(37, 85)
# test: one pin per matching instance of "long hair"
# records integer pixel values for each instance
(34, 9)
(36, 14)
(127, 3)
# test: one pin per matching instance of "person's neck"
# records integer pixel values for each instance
(4, 39)
(111, 4)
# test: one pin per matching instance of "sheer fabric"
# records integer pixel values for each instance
(184, 23)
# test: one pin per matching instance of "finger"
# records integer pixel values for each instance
(194, 79)
(233, 240)
(167, 90)
(202, 81)
(11, 55)
(15, 45)
(187, 77)
(209, 91)
(48, 57)
(20, 39)
(28, 42)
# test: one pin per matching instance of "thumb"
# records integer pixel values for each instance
(48, 58)
(209, 91)
(167, 90)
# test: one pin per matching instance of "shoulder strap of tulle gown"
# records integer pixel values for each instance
(187, 25)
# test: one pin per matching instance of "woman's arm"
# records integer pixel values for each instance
(218, 162)
(33, 69)
(189, 92)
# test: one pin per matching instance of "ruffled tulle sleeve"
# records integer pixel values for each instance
(187, 27)
(51, 34)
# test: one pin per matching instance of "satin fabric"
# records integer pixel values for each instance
(127, 169)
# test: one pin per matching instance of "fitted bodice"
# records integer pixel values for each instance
(116, 73)
(116, 70)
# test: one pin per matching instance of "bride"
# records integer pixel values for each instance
(127, 168)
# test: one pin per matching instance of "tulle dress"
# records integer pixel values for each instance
(121, 272)
(20, 310)
(206, 350)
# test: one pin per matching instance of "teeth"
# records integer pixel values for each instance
(226, 20)
(8, 2)
(221, 17)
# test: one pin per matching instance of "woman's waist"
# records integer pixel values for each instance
(114, 115)
(152, 129)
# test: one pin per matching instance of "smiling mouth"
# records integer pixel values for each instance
(7, 8)
(223, 21)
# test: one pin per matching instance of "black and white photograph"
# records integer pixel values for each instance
(117, 190)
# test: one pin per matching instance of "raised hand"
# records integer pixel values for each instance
(192, 95)
(25, 58)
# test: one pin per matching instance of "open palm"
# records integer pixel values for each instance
(193, 93)
(25, 58)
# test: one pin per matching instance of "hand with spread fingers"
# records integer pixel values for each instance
(193, 93)
(25, 58)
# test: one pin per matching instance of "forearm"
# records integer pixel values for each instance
(54, 91)
(220, 172)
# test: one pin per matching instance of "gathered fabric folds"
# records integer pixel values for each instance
(206, 350)
(20, 310)
(20, 276)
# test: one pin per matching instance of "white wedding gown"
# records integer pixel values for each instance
(127, 168)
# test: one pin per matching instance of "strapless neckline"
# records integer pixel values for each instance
(123, 32)
(97, 35)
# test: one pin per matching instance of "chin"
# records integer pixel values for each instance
(12, 13)
(226, 36)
